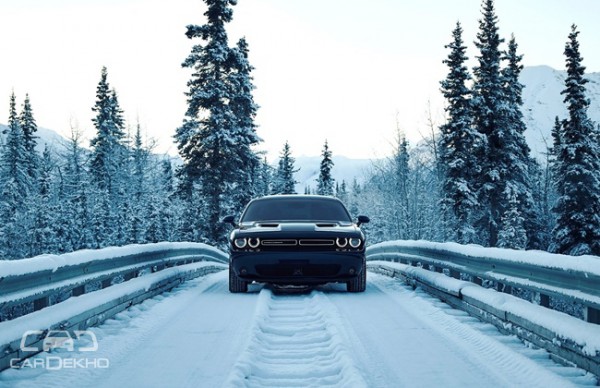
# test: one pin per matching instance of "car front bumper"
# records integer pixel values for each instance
(297, 268)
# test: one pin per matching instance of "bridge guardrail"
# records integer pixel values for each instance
(547, 276)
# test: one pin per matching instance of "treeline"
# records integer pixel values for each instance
(474, 181)
(74, 197)
(116, 191)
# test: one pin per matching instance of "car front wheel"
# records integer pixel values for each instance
(236, 285)
(358, 284)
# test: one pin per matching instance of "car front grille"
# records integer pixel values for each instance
(305, 242)
(316, 242)
(279, 243)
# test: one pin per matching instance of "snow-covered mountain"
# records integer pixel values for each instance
(45, 137)
(542, 102)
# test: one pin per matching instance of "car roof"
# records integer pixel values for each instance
(296, 196)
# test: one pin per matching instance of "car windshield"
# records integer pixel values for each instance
(296, 209)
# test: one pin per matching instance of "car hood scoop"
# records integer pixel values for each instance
(295, 226)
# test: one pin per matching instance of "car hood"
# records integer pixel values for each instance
(301, 227)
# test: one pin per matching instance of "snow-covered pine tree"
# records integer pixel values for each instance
(76, 202)
(107, 145)
(244, 109)
(41, 234)
(137, 188)
(543, 195)
(325, 182)
(263, 178)
(283, 181)
(214, 139)
(107, 167)
(355, 192)
(487, 99)
(29, 127)
(512, 234)
(458, 140)
(159, 225)
(514, 162)
(341, 192)
(16, 186)
(577, 178)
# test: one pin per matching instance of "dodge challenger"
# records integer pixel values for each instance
(296, 240)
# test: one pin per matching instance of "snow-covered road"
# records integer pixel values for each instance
(199, 335)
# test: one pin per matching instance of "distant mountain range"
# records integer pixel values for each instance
(542, 102)
(46, 136)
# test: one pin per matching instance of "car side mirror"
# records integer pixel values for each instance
(229, 220)
(363, 220)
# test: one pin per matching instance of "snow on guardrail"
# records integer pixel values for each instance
(54, 262)
(586, 263)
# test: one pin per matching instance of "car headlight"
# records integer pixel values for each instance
(355, 242)
(253, 242)
(240, 243)
(341, 242)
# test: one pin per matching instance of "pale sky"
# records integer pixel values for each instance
(348, 71)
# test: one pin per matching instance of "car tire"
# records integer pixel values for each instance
(236, 285)
(358, 284)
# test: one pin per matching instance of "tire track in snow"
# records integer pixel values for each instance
(295, 341)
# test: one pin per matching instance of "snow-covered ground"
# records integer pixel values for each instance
(200, 335)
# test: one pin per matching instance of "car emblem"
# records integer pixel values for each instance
(298, 272)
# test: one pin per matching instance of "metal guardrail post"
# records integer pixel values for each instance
(40, 303)
(544, 300)
(592, 315)
(78, 290)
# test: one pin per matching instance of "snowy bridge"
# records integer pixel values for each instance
(433, 314)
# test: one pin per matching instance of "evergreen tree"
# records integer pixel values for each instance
(341, 192)
(458, 140)
(488, 99)
(577, 162)
(107, 145)
(400, 185)
(29, 127)
(512, 233)
(325, 181)
(16, 186)
(76, 217)
(264, 179)
(160, 206)
(284, 182)
(355, 192)
(42, 238)
(218, 131)
(515, 164)
(137, 188)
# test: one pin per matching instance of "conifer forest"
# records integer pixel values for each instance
(471, 179)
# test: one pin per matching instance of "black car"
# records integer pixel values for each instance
(297, 240)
